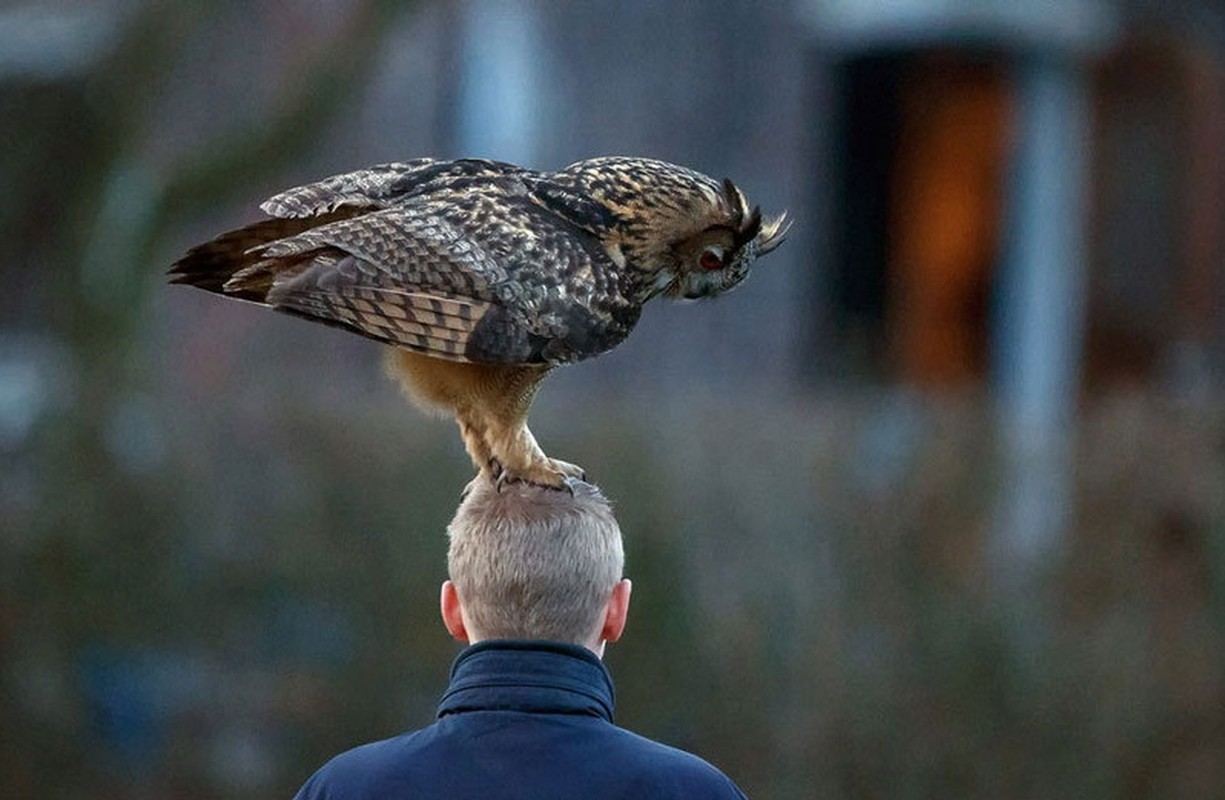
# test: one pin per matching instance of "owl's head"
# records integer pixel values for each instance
(718, 256)
(682, 233)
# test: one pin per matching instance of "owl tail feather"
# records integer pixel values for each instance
(213, 265)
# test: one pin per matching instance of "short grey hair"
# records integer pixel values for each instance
(534, 563)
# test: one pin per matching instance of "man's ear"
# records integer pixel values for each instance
(616, 611)
(452, 612)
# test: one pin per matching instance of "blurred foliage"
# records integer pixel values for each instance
(271, 600)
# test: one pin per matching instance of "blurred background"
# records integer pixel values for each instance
(933, 506)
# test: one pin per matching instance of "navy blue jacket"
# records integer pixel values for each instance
(520, 720)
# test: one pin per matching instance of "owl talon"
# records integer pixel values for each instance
(557, 480)
(565, 484)
(568, 470)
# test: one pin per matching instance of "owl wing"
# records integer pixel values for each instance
(485, 274)
(384, 184)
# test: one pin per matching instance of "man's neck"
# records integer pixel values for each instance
(595, 647)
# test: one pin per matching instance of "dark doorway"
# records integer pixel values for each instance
(920, 160)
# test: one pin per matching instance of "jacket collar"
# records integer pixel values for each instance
(541, 677)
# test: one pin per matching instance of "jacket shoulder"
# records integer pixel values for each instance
(362, 772)
(661, 771)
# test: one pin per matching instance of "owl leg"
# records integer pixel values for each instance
(514, 454)
(521, 459)
(490, 403)
(503, 420)
(477, 445)
(506, 451)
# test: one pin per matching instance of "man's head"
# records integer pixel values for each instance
(533, 563)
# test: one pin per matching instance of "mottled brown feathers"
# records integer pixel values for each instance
(476, 262)
(212, 264)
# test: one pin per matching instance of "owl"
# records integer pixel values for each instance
(483, 276)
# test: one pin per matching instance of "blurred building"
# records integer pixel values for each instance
(1017, 194)
(988, 151)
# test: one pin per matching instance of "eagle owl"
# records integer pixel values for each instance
(483, 276)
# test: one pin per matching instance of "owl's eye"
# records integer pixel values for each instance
(711, 258)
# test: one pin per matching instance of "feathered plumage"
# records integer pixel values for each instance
(484, 275)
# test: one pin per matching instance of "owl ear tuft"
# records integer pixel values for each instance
(751, 226)
(745, 224)
(736, 202)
